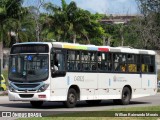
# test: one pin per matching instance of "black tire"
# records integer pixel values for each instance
(36, 104)
(93, 102)
(126, 96)
(71, 98)
(1, 89)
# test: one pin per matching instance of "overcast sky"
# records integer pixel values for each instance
(100, 6)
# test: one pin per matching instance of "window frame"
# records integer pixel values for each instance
(137, 61)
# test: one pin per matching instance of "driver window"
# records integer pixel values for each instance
(57, 60)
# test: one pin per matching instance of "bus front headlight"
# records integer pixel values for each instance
(43, 88)
(11, 88)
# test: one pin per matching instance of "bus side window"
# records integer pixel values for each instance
(60, 62)
(151, 69)
(78, 66)
(94, 67)
(57, 60)
(54, 62)
(71, 66)
(109, 62)
(138, 68)
(117, 58)
(144, 68)
(152, 65)
(132, 68)
(146, 62)
(123, 67)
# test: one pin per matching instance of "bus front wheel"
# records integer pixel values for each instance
(126, 96)
(36, 104)
(71, 98)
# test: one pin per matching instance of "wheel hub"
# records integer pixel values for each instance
(71, 98)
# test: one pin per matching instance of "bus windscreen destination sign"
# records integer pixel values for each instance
(29, 49)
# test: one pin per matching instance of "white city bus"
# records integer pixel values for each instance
(55, 71)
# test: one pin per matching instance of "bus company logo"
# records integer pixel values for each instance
(79, 78)
(26, 91)
(114, 78)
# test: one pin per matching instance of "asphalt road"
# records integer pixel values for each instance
(6, 105)
(58, 108)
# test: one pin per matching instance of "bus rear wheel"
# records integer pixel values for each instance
(71, 98)
(36, 104)
(126, 96)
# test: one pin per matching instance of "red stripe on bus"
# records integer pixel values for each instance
(103, 49)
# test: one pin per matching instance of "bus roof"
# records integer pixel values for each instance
(76, 46)
(102, 48)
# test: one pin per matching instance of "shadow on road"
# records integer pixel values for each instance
(59, 105)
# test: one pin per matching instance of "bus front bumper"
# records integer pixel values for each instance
(40, 96)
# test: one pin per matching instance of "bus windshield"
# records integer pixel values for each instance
(28, 67)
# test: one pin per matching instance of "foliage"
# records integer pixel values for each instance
(70, 23)
(149, 26)
(10, 13)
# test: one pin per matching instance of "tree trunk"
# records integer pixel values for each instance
(37, 31)
(121, 34)
(88, 41)
(17, 40)
(109, 41)
(58, 38)
(1, 47)
(74, 38)
(104, 41)
(1, 54)
(122, 40)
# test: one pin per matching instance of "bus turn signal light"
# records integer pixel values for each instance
(42, 96)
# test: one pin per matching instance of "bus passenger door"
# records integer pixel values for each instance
(148, 79)
(148, 75)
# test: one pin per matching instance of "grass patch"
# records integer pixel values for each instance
(90, 115)
(88, 118)
(148, 108)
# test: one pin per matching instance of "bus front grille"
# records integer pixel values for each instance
(26, 95)
(26, 85)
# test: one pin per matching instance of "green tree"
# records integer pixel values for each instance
(149, 26)
(70, 22)
(10, 11)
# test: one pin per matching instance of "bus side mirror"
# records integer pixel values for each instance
(58, 74)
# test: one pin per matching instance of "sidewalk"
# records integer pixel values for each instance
(3, 93)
